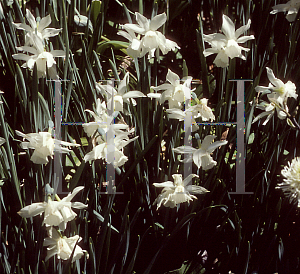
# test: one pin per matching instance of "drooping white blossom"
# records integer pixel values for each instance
(278, 94)
(35, 28)
(43, 145)
(178, 192)
(291, 7)
(280, 90)
(120, 94)
(44, 60)
(56, 213)
(101, 119)
(102, 149)
(135, 48)
(201, 156)
(63, 246)
(149, 38)
(174, 91)
(181, 115)
(227, 45)
(269, 110)
(202, 110)
(83, 21)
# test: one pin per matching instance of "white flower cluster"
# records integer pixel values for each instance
(57, 213)
(227, 45)
(291, 181)
(36, 34)
(278, 93)
(176, 94)
(145, 38)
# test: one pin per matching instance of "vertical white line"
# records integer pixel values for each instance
(240, 138)
(187, 136)
(57, 135)
(110, 138)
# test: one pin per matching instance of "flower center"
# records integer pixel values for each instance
(280, 90)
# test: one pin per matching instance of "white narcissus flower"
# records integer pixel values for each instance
(100, 151)
(151, 40)
(120, 95)
(102, 120)
(217, 47)
(291, 7)
(177, 192)
(57, 213)
(174, 92)
(35, 28)
(201, 156)
(202, 110)
(176, 113)
(269, 109)
(63, 246)
(227, 45)
(43, 145)
(44, 60)
(135, 48)
(291, 181)
(280, 90)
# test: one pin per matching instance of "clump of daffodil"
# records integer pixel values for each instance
(34, 51)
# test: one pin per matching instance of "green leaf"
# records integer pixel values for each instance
(251, 138)
(101, 219)
(116, 45)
